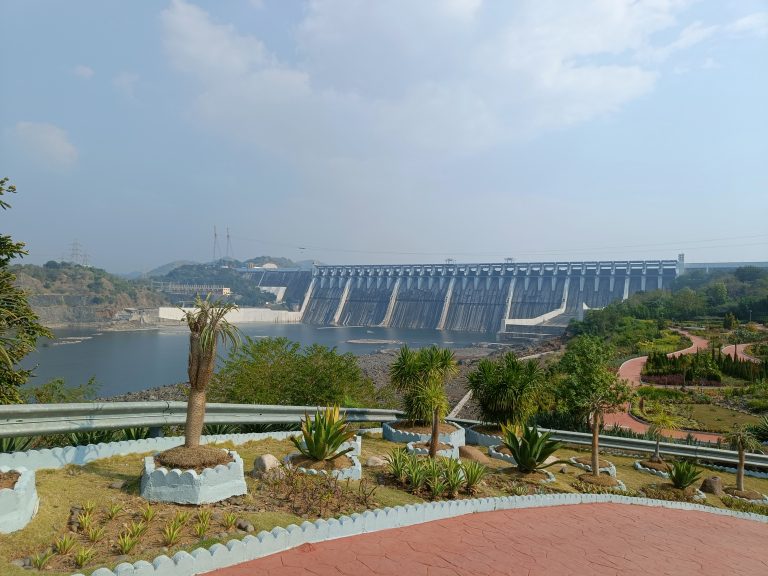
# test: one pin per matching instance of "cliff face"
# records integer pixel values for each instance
(64, 294)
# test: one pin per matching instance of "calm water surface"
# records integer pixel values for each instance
(130, 361)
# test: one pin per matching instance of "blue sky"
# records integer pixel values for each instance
(352, 131)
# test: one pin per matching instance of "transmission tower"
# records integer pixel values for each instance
(77, 255)
(216, 249)
(230, 252)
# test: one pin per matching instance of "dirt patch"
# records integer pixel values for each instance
(198, 458)
(603, 480)
(747, 494)
(489, 429)
(504, 450)
(659, 466)
(440, 446)
(8, 480)
(532, 477)
(336, 464)
(587, 460)
(669, 492)
(421, 428)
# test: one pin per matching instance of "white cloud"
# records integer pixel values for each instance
(756, 24)
(125, 84)
(83, 71)
(45, 144)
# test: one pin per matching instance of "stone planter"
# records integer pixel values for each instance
(456, 438)
(494, 452)
(354, 472)
(639, 466)
(356, 444)
(610, 470)
(18, 504)
(189, 487)
(453, 452)
(481, 439)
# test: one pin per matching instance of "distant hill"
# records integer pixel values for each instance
(171, 266)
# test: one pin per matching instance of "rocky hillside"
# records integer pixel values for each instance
(64, 294)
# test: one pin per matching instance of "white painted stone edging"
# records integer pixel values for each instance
(354, 472)
(763, 502)
(493, 452)
(356, 444)
(753, 473)
(453, 452)
(610, 470)
(280, 539)
(81, 455)
(456, 438)
(639, 467)
(19, 504)
(479, 439)
(189, 487)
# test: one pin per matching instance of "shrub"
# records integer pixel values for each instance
(683, 473)
(531, 449)
(126, 542)
(83, 556)
(63, 544)
(323, 435)
(398, 464)
(172, 533)
(474, 472)
(743, 506)
(760, 430)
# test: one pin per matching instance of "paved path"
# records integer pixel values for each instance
(585, 539)
(740, 352)
(631, 371)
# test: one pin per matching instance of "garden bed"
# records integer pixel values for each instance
(585, 463)
(18, 498)
(403, 431)
(443, 449)
(483, 435)
(345, 467)
(660, 469)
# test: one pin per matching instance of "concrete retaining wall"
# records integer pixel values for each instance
(242, 315)
(456, 438)
(18, 504)
(479, 439)
(280, 539)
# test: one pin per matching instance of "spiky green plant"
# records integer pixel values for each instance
(63, 544)
(323, 435)
(136, 529)
(126, 542)
(454, 477)
(397, 461)
(85, 519)
(182, 517)
(230, 519)
(41, 559)
(172, 533)
(760, 430)
(683, 473)
(474, 472)
(95, 533)
(114, 510)
(531, 450)
(83, 556)
(148, 513)
(416, 472)
(743, 440)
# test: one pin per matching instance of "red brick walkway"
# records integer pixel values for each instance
(586, 539)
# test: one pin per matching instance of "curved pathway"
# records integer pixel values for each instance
(599, 539)
(631, 371)
(740, 354)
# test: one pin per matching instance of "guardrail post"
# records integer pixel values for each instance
(156, 432)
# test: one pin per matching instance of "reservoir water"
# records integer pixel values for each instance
(135, 360)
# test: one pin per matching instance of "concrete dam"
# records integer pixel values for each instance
(515, 300)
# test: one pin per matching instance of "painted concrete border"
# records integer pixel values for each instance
(18, 505)
(188, 487)
(610, 470)
(265, 543)
(354, 472)
(456, 438)
(479, 439)
(493, 452)
(452, 453)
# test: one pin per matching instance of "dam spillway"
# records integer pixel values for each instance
(516, 300)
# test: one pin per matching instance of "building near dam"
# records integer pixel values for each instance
(518, 301)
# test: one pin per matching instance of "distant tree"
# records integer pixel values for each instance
(589, 385)
(717, 294)
(19, 325)
(660, 421)
(749, 273)
(729, 321)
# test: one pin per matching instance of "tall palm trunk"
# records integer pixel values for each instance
(596, 419)
(740, 470)
(657, 452)
(435, 434)
(200, 371)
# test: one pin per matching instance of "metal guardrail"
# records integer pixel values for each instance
(39, 419)
(638, 445)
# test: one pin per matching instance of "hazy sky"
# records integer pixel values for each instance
(400, 131)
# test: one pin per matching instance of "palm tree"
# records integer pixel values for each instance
(421, 376)
(661, 420)
(207, 326)
(742, 438)
(507, 390)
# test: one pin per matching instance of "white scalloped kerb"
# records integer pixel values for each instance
(638, 466)
(280, 539)
(610, 470)
(456, 438)
(453, 452)
(189, 487)
(18, 505)
(354, 472)
(479, 439)
(493, 452)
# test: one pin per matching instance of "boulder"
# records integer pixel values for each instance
(712, 485)
(264, 464)
(472, 453)
(376, 462)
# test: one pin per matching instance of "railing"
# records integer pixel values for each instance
(38, 419)
(638, 445)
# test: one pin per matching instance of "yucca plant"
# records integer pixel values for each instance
(148, 513)
(454, 477)
(41, 559)
(63, 544)
(531, 450)
(323, 435)
(95, 533)
(416, 472)
(114, 510)
(83, 556)
(397, 460)
(683, 474)
(126, 542)
(230, 519)
(760, 430)
(172, 533)
(474, 472)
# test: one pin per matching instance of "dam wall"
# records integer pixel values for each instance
(516, 300)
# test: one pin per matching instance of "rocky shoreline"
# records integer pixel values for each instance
(376, 367)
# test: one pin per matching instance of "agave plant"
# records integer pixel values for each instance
(531, 450)
(683, 474)
(323, 436)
